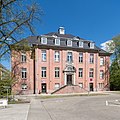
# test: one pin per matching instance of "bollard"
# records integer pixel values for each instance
(106, 103)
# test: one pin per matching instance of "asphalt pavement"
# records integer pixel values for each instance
(64, 108)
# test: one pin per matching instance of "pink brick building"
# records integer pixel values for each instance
(63, 63)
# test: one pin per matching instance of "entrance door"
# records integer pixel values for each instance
(43, 87)
(91, 86)
(69, 79)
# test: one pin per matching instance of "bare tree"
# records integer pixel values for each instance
(16, 17)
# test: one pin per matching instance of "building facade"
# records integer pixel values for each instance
(60, 63)
(3, 72)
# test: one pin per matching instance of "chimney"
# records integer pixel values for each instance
(61, 30)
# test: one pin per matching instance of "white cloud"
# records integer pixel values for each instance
(105, 46)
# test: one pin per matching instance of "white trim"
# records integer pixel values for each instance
(74, 79)
(92, 45)
(65, 81)
(69, 42)
(43, 40)
(57, 40)
(81, 44)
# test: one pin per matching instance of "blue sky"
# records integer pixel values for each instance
(96, 20)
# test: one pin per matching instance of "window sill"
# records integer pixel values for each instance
(23, 62)
(24, 78)
(80, 62)
(69, 62)
(57, 77)
(43, 77)
(57, 61)
(102, 65)
(44, 61)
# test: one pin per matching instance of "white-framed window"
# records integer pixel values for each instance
(91, 58)
(81, 85)
(23, 57)
(24, 86)
(91, 73)
(69, 57)
(80, 57)
(43, 72)
(80, 43)
(69, 42)
(57, 72)
(101, 61)
(43, 40)
(80, 72)
(57, 56)
(100, 85)
(57, 41)
(92, 45)
(57, 86)
(24, 73)
(101, 74)
(43, 55)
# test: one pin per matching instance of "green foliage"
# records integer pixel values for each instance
(115, 66)
(5, 83)
(115, 76)
(116, 42)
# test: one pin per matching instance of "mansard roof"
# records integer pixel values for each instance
(60, 35)
(63, 39)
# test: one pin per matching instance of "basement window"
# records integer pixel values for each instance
(24, 86)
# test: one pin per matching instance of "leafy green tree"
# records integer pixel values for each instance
(115, 66)
(115, 76)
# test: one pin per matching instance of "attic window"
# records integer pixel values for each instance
(80, 43)
(24, 86)
(57, 41)
(43, 40)
(92, 45)
(69, 42)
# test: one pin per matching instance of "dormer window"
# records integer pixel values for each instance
(43, 40)
(57, 41)
(69, 42)
(92, 45)
(80, 43)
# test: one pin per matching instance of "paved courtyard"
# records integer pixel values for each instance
(64, 108)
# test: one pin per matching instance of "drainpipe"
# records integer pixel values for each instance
(34, 71)
(96, 67)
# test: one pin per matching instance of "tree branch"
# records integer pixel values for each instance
(10, 2)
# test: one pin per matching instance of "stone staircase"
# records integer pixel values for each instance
(66, 89)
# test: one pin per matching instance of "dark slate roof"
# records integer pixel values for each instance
(63, 39)
(60, 35)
